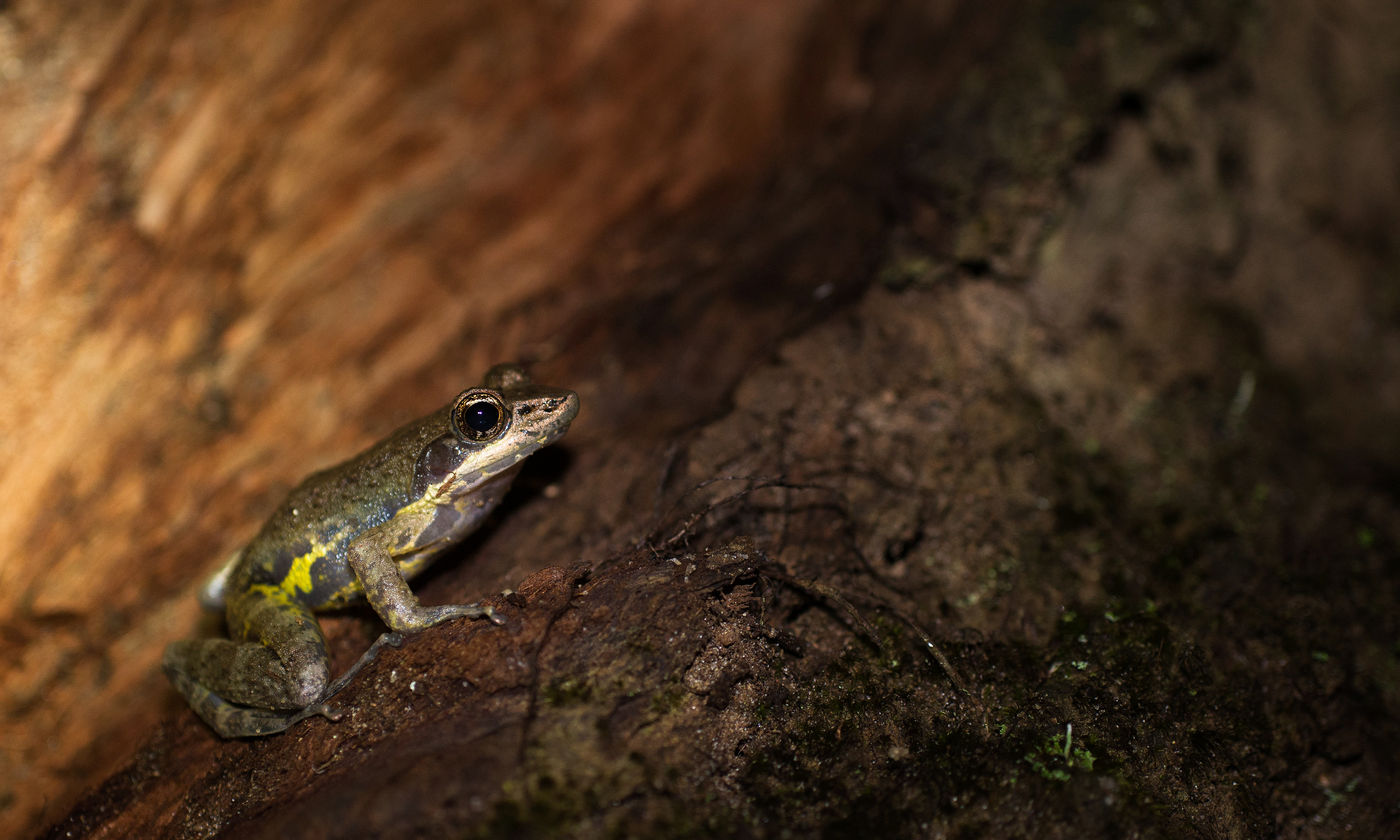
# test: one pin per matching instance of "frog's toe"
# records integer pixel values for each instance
(325, 710)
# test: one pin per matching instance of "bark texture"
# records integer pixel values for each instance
(988, 410)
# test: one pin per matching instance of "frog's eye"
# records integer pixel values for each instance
(478, 415)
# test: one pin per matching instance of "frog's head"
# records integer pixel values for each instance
(492, 429)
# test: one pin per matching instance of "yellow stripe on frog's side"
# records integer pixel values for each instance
(298, 581)
(298, 578)
(273, 593)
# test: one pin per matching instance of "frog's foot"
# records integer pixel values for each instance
(232, 720)
(421, 618)
(390, 639)
(334, 713)
(246, 722)
(331, 713)
(395, 639)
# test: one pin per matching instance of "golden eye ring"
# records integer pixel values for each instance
(479, 415)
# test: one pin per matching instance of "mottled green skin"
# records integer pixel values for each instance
(360, 529)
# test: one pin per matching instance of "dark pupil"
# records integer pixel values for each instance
(481, 416)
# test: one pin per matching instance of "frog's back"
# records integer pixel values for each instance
(301, 548)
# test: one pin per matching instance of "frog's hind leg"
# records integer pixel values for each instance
(231, 720)
(271, 679)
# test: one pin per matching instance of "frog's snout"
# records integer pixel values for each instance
(569, 409)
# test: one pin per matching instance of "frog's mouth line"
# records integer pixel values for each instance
(468, 481)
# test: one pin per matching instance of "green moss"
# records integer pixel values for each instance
(668, 699)
(566, 691)
(1058, 757)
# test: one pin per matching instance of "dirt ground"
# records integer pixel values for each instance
(1025, 466)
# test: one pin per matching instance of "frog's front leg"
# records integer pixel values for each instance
(389, 594)
(272, 677)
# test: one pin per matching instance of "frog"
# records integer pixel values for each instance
(358, 532)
